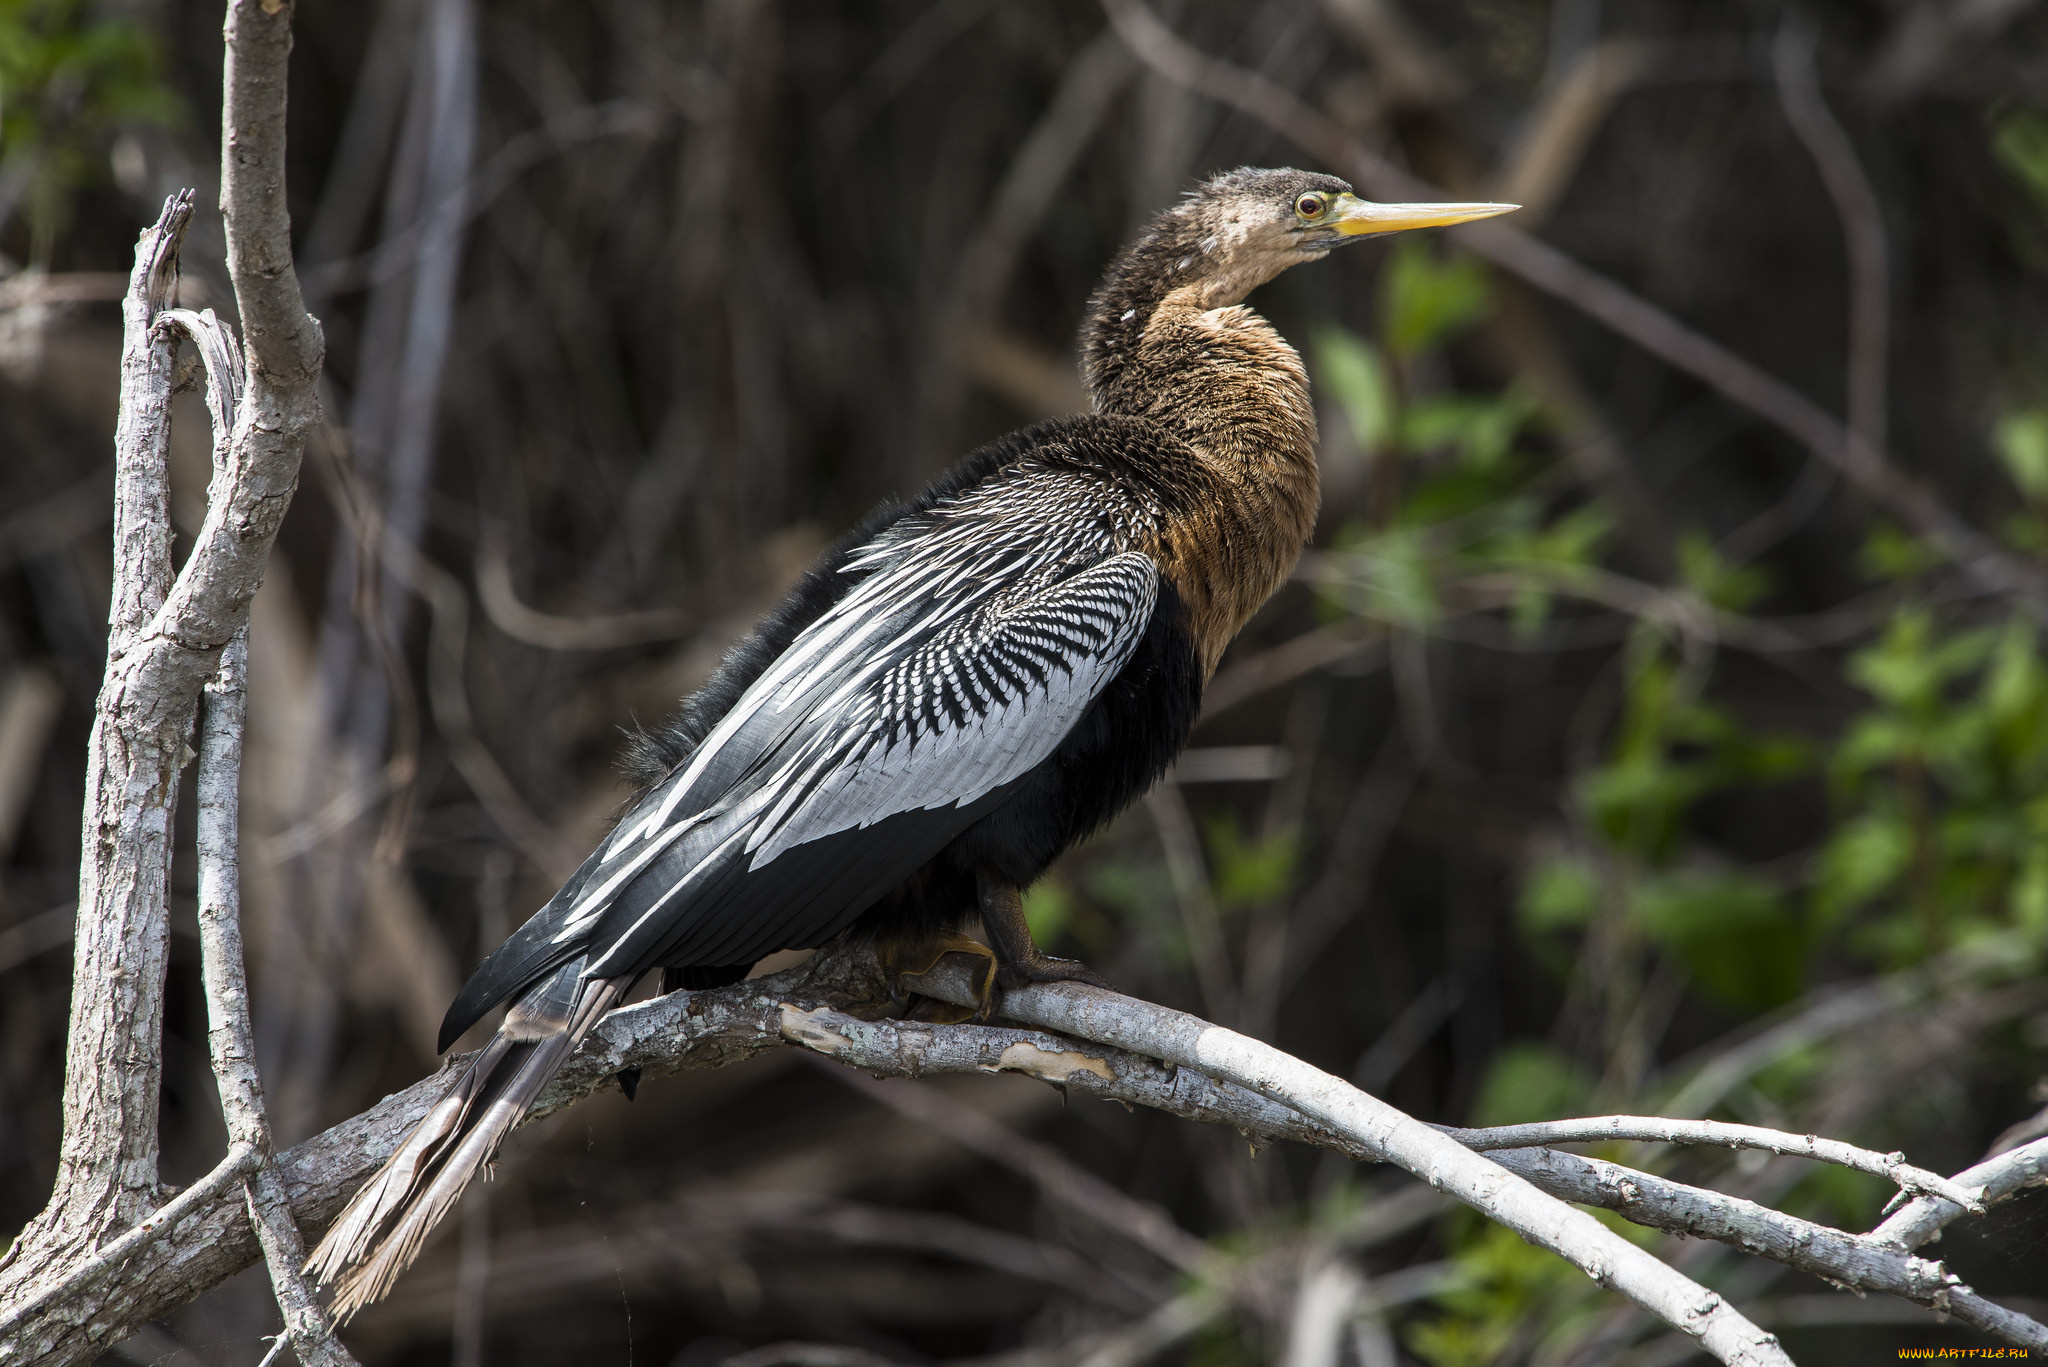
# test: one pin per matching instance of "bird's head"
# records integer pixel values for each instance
(1237, 230)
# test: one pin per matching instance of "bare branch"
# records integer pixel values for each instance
(166, 640)
(142, 434)
(284, 341)
(1925, 1217)
(1656, 1130)
(810, 1005)
(1191, 1043)
(1858, 1263)
(107, 1161)
(585, 631)
(230, 1039)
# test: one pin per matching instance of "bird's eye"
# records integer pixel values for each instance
(1308, 206)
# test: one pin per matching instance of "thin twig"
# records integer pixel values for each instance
(2009, 1173)
(1862, 217)
(230, 1039)
(1869, 327)
(1893, 1167)
(585, 631)
(241, 1160)
(1860, 1263)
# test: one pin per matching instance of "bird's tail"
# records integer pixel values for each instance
(381, 1231)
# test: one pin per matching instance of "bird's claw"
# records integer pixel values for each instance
(907, 964)
(907, 961)
(1044, 968)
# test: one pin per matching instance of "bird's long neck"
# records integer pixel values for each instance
(1222, 380)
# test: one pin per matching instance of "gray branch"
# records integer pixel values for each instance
(825, 1006)
(1650, 1129)
(230, 1039)
(165, 641)
(1189, 1042)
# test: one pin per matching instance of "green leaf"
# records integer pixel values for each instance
(1350, 371)
(1250, 872)
(1561, 893)
(71, 74)
(2020, 143)
(1734, 931)
(2021, 441)
(1729, 587)
(1048, 907)
(1424, 300)
(1889, 553)
(1865, 856)
(1481, 428)
(1388, 577)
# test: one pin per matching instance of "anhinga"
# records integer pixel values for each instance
(953, 695)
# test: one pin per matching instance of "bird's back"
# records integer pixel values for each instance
(905, 689)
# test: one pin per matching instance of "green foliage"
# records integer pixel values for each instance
(1732, 588)
(1670, 750)
(2021, 440)
(1937, 831)
(1838, 1196)
(1048, 908)
(1479, 429)
(1507, 1293)
(1390, 575)
(2020, 142)
(1250, 871)
(1527, 1082)
(1427, 298)
(1561, 892)
(1738, 934)
(71, 74)
(1889, 554)
(1942, 790)
(1350, 371)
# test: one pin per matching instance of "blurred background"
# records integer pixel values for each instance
(1606, 755)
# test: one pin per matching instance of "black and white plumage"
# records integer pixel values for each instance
(948, 700)
(957, 648)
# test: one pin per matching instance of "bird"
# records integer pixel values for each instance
(955, 693)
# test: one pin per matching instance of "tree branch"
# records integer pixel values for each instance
(824, 1005)
(1893, 1167)
(230, 1039)
(2006, 1175)
(1859, 1263)
(1188, 1042)
(165, 642)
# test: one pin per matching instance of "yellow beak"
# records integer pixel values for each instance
(1355, 217)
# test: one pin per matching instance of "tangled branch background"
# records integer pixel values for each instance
(1658, 727)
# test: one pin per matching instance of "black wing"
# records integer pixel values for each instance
(976, 641)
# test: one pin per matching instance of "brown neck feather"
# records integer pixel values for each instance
(1224, 382)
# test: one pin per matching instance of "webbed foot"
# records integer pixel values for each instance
(1019, 959)
(905, 960)
(1037, 967)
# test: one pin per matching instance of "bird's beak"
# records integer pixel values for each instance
(1351, 216)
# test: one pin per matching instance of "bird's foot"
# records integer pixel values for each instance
(907, 961)
(1037, 967)
(1019, 960)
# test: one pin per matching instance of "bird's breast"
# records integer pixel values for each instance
(1232, 389)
